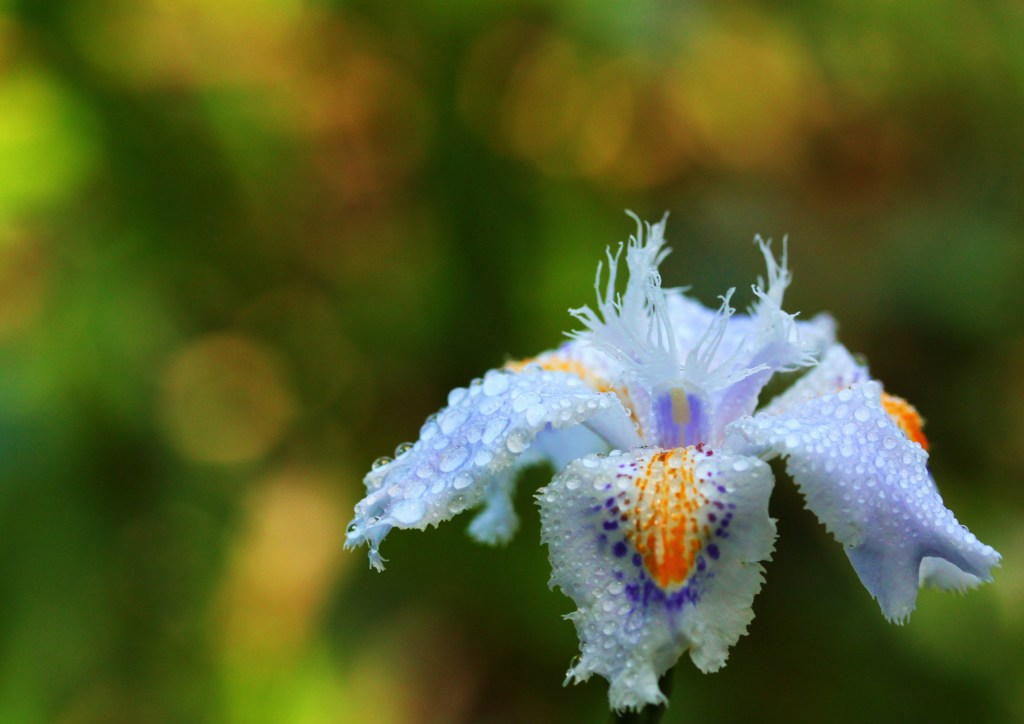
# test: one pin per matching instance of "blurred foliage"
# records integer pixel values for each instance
(246, 247)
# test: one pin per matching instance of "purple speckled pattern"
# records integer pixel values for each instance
(631, 629)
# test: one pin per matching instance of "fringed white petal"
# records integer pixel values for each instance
(728, 358)
(660, 550)
(635, 327)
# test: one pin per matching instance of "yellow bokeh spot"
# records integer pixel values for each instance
(284, 563)
(749, 91)
(46, 142)
(25, 270)
(224, 399)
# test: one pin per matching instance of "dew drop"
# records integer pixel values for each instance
(452, 459)
(457, 505)
(496, 383)
(535, 415)
(862, 414)
(402, 449)
(525, 400)
(474, 432)
(452, 419)
(462, 481)
(495, 426)
(490, 405)
(517, 440)
(380, 462)
(408, 512)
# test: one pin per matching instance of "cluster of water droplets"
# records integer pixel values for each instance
(868, 483)
(483, 430)
(625, 621)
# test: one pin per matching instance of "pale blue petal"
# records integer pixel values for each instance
(484, 429)
(634, 619)
(871, 488)
(497, 522)
(837, 370)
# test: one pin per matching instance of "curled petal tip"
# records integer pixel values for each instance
(376, 561)
(869, 484)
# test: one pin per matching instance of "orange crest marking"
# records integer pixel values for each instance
(662, 524)
(555, 363)
(906, 418)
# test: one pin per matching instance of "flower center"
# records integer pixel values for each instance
(663, 525)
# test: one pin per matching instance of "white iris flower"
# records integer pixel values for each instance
(658, 522)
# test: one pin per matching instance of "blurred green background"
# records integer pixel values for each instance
(246, 247)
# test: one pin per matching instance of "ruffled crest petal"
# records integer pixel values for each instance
(661, 552)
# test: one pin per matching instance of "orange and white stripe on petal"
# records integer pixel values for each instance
(660, 550)
(906, 417)
(662, 523)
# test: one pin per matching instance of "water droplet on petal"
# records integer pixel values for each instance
(525, 400)
(461, 481)
(380, 462)
(490, 405)
(496, 383)
(517, 440)
(457, 505)
(452, 419)
(408, 512)
(535, 415)
(457, 395)
(495, 427)
(452, 459)
(403, 449)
